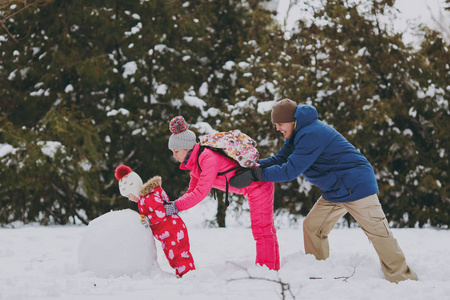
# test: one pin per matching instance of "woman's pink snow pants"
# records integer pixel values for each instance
(260, 197)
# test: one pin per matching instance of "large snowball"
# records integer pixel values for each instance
(116, 244)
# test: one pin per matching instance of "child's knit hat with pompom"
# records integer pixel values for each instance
(129, 181)
(182, 137)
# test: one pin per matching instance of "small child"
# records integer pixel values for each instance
(169, 230)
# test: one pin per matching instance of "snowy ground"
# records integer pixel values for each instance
(39, 262)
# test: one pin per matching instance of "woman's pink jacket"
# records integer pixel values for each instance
(201, 182)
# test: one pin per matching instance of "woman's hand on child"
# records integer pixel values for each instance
(171, 208)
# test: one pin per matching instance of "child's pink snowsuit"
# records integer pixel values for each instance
(259, 195)
(169, 230)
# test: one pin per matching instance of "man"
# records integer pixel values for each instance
(345, 176)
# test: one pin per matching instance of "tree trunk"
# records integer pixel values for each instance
(221, 209)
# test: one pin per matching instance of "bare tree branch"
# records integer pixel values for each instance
(8, 10)
(345, 278)
(441, 22)
(285, 287)
(9, 33)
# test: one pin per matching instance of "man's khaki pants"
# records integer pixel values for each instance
(372, 220)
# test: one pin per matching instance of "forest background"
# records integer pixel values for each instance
(88, 85)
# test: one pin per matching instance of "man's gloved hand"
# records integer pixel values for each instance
(171, 208)
(145, 221)
(245, 177)
(257, 173)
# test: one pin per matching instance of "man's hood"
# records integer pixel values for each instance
(305, 115)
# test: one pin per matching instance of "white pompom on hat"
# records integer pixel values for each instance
(182, 137)
(129, 181)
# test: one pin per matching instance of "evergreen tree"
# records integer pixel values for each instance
(99, 83)
(429, 118)
(243, 76)
(360, 76)
(88, 86)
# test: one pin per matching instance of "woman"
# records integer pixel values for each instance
(204, 169)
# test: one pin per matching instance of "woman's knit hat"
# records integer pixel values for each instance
(129, 181)
(283, 111)
(182, 137)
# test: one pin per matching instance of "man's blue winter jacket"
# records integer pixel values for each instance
(324, 157)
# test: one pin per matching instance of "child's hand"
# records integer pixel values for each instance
(145, 221)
